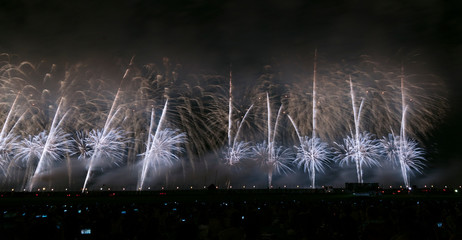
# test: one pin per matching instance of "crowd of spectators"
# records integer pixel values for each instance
(234, 218)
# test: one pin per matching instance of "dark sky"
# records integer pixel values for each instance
(234, 31)
(247, 34)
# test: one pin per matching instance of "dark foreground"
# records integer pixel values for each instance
(236, 214)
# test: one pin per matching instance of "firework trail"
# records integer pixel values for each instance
(271, 158)
(13, 80)
(312, 154)
(148, 149)
(7, 140)
(32, 149)
(162, 153)
(362, 149)
(55, 145)
(326, 100)
(404, 153)
(239, 149)
(236, 151)
(359, 148)
(402, 150)
(230, 108)
(411, 158)
(29, 151)
(104, 140)
(160, 148)
(314, 99)
(403, 144)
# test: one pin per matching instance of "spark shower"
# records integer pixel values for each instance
(155, 126)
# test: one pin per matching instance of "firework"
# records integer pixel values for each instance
(205, 119)
(272, 159)
(404, 153)
(161, 148)
(362, 149)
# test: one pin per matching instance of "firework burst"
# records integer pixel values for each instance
(404, 153)
(313, 156)
(165, 146)
(272, 159)
(363, 150)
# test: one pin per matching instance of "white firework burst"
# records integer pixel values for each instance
(165, 145)
(161, 152)
(363, 150)
(106, 147)
(8, 144)
(313, 156)
(34, 147)
(390, 145)
(31, 148)
(81, 146)
(272, 159)
(412, 156)
(406, 153)
(238, 152)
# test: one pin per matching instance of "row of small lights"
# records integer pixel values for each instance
(230, 187)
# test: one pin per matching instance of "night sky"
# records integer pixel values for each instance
(210, 35)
